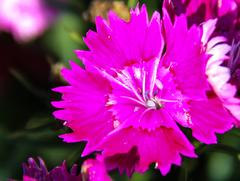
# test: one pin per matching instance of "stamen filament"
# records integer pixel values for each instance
(132, 99)
(144, 85)
(144, 112)
(154, 76)
(126, 80)
(167, 100)
(111, 78)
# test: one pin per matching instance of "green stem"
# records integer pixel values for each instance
(16, 74)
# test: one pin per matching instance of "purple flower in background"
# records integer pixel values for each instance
(92, 170)
(24, 19)
(34, 172)
(199, 11)
(224, 76)
(142, 79)
(223, 67)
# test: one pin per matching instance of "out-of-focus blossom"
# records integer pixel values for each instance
(92, 170)
(24, 19)
(101, 8)
(234, 67)
(33, 171)
(56, 71)
(142, 79)
(224, 76)
(199, 11)
(223, 69)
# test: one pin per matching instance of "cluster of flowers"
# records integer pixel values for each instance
(145, 78)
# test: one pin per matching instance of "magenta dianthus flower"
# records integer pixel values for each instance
(142, 79)
(24, 19)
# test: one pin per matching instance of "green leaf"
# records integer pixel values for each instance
(38, 121)
(65, 37)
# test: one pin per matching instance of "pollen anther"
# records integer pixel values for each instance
(154, 104)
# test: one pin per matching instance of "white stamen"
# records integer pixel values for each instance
(151, 104)
(116, 123)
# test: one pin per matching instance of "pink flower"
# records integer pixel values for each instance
(24, 19)
(224, 75)
(94, 170)
(199, 11)
(142, 79)
(222, 70)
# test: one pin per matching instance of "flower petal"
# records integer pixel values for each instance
(83, 107)
(162, 146)
(208, 118)
(110, 42)
(185, 58)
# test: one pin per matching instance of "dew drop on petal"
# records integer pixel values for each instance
(136, 109)
(159, 84)
(137, 73)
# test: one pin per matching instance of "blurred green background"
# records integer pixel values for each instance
(28, 71)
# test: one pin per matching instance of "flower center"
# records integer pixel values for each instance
(145, 97)
(154, 104)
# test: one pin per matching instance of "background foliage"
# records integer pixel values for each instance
(28, 72)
